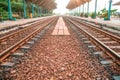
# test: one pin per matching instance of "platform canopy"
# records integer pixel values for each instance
(118, 3)
(75, 3)
(46, 4)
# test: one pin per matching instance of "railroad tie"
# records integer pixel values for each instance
(91, 46)
(106, 62)
(35, 39)
(109, 42)
(104, 38)
(99, 36)
(116, 77)
(25, 48)
(98, 53)
(87, 42)
(7, 65)
(17, 55)
(115, 47)
(30, 43)
(5, 68)
(38, 36)
(43, 31)
(81, 36)
(84, 38)
(79, 33)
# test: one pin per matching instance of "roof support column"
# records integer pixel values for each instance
(32, 10)
(83, 8)
(109, 10)
(79, 10)
(38, 11)
(9, 10)
(95, 8)
(88, 9)
(24, 8)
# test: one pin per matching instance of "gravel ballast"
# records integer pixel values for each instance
(59, 58)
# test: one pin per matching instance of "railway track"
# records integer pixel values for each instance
(107, 42)
(26, 33)
(10, 39)
(5, 32)
(99, 45)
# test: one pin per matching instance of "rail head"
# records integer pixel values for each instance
(16, 46)
(117, 38)
(110, 51)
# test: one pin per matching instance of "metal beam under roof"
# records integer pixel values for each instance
(75, 3)
(118, 3)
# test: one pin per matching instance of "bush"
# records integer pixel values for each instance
(82, 15)
(86, 15)
(92, 15)
(3, 14)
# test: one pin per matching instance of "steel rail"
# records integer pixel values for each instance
(16, 46)
(4, 38)
(117, 38)
(105, 48)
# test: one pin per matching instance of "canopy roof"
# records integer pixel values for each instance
(75, 3)
(46, 4)
(118, 3)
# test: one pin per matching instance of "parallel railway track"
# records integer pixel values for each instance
(10, 39)
(19, 43)
(5, 32)
(108, 43)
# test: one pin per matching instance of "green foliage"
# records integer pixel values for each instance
(4, 6)
(17, 7)
(104, 13)
(81, 14)
(86, 15)
(3, 14)
(92, 15)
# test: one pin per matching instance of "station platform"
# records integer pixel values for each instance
(19, 22)
(114, 24)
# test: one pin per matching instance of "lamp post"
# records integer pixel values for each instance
(109, 10)
(9, 10)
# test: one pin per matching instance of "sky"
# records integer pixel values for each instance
(61, 6)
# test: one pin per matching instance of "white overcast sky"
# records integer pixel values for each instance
(61, 6)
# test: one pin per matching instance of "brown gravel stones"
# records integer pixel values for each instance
(58, 58)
